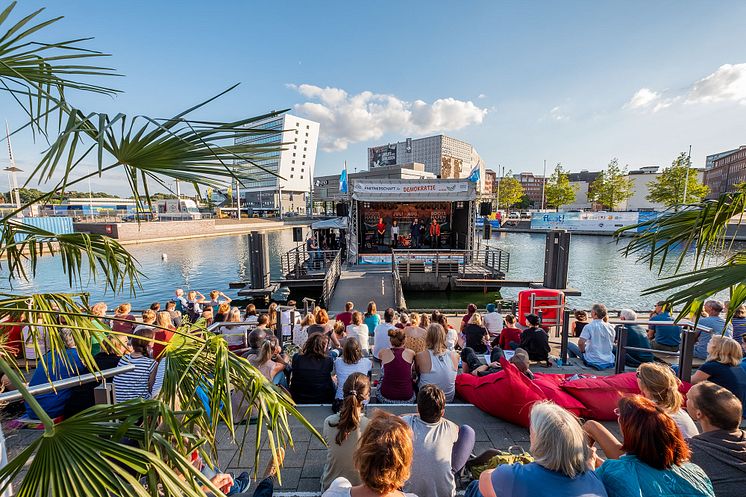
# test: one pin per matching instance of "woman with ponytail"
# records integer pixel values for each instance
(343, 431)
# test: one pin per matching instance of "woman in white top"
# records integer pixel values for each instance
(351, 361)
(235, 336)
(658, 383)
(437, 365)
(359, 330)
(383, 459)
(300, 331)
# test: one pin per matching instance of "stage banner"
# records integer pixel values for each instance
(583, 221)
(411, 188)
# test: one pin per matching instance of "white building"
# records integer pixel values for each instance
(295, 164)
(640, 188)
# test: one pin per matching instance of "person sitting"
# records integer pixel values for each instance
(270, 361)
(342, 431)
(54, 367)
(636, 337)
(415, 336)
(337, 337)
(596, 344)
(163, 333)
(155, 307)
(720, 450)
(476, 336)
(561, 464)
(322, 324)
(424, 320)
(522, 362)
(655, 456)
(235, 336)
(351, 361)
(311, 378)
(723, 366)
(300, 331)
(739, 323)
(534, 340)
(359, 330)
(223, 310)
(372, 319)
(382, 458)
(441, 448)
(138, 383)
(713, 320)
(451, 333)
(257, 337)
(664, 336)
(470, 310)
(493, 321)
(396, 384)
(175, 315)
(471, 362)
(208, 316)
(99, 309)
(511, 333)
(346, 316)
(403, 321)
(437, 365)
(658, 383)
(581, 319)
(381, 332)
(251, 316)
(193, 307)
(124, 321)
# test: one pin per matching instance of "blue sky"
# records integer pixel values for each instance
(572, 82)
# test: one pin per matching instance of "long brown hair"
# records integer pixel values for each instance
(315, 345)
(352, 352)
(384, 455)
(355, 391)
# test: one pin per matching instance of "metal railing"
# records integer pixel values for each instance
(300, 262)
(399, 302)
(490, 260)
(330, 280)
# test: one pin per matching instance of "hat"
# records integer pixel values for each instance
(533, 319)
(490, 307)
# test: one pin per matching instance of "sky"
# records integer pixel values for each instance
(576, 82)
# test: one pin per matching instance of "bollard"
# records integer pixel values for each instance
(621, 333)
(556, 259)
(565, 336)
(258, 260)
(688, 339)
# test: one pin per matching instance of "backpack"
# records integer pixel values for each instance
(191, 312)
(492, 458)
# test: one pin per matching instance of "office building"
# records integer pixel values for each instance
(581, 182)
(710, 160)
(726, 172)
(533, 187)
(295, 164)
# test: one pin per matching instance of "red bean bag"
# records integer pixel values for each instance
(551, 385)
(507, 394)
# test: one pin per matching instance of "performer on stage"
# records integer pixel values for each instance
(416, 231)
(394, 233)
(380, 230)
(434, 233)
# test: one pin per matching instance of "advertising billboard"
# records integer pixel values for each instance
(583, 221)
(382, 156)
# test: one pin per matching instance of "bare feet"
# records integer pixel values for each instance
(271, 468)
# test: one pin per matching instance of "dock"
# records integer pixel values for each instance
(361, 285)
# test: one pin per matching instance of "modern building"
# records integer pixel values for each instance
(640, 190)
(95, 206)
(533, 187)
(726, 172)
(295, 164)
(443, 156)
(581, 182)
(710, 160)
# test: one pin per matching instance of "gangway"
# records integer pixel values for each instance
(360, 285)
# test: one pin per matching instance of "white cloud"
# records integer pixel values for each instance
(481, 96)
(557, 114)
(347, 119)
(727, 83)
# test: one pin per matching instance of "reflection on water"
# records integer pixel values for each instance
(596, 268)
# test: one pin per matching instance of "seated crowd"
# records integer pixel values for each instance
(669, 445)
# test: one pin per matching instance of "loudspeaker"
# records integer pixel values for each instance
(485, 208)
(298, 234)
(487, 230)
(342, 210)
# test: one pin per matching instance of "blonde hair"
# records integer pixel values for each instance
(99, 309)
(724, 350)
(214, 294)
(660, 385)
(148, 316)
(558, 441)
(234, 316)
(476, 318)
(164, 320)
(123, 309)
(414, 319)
(357, 318)
(436, 339)
(308, 320)
(384, 453)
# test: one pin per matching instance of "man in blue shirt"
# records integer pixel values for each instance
(664, 336)
(712, 308)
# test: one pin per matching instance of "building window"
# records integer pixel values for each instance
(301, 177)
(296, 131)
(293, 161)
(308, 127)
(304, 156)
(293, 154)
(291, 176)
(304, 149)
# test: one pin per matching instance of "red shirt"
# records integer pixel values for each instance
(509, 335)
(163, 336)
(345, 317)
(381, 227)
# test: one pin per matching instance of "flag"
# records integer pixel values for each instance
(343, 181)
(474, 173)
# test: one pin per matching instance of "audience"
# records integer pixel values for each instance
(99, 309)
(535, 340)
(343, 431)
(351, 361)
(139, 382)
(441, 448)
(163, 333)
(510, 334)
(739, 323)
(493, 321)
(371, 316)
(596, 344)
(451, 333)
(713, 320)
(655, 456)
(415, 336)
(311, 377)
(122, 312)
(235, 336)
(581, 319)
(270, 361)
(561, 464)
(476, 336)
(359, 331)
(437, 365)
(720, 450)
(723, 366)
(664, 336)
(175, 315)
(346, 316)
(636, 337)
(322, 324)
(381, 332)
(300, 331)
(396, 383)
(658, 383)
(470, 310)
(251, 316)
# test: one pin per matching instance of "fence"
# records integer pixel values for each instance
(331, 279)
(399, 301)
(300, 262)
(494, 261)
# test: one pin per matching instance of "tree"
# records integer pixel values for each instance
(140, 447)
(611, 187)
(558, 190)
(509, 190)
(524, 203)
(669, 187)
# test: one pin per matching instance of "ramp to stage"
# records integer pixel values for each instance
(360, 286)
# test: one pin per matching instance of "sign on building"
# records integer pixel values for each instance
(382, 156)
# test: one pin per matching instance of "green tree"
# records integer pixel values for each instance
(558, 190)
(509, 190)
(86, 454)
(524, 203)
(669, 187)
(611, 187)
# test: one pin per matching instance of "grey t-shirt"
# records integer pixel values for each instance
(722, 455)
(431, 465)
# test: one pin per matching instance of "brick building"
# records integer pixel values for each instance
(726, 172)
(533, 187)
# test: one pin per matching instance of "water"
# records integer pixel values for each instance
(204, 264)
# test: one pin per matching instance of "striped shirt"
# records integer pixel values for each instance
(134, 384)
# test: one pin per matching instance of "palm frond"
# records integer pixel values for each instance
(81, 254)
(36, 75)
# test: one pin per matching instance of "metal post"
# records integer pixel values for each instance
(565, 335)
(688, 339)
(620, 350)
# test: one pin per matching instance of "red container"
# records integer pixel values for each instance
(544, 302)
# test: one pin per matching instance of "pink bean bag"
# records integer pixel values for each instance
(507, 394)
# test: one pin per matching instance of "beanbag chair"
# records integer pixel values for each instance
(551, 386)
(507, 394)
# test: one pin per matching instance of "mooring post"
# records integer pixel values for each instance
(621, 333)
(556, 259)
(565, 335)
(258, 260)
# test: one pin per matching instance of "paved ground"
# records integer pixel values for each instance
(360, 286)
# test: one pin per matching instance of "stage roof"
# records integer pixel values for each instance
(416, 190)
(338, 223)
